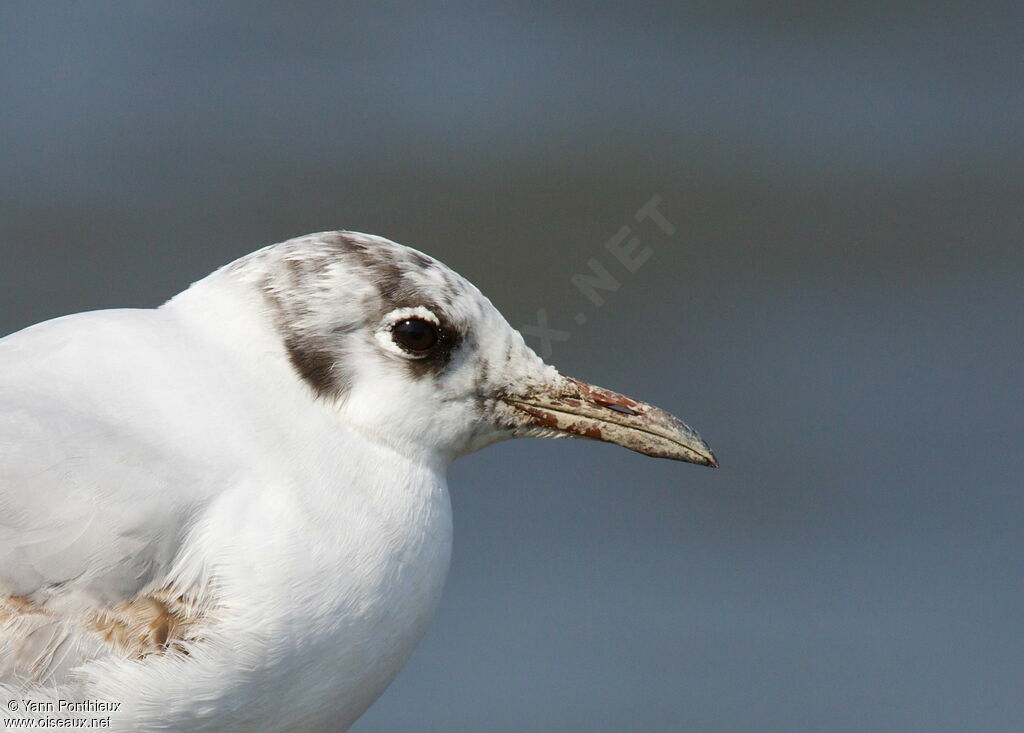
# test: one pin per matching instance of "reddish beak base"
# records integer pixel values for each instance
(586, 411)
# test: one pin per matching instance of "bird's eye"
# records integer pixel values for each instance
(415, 334)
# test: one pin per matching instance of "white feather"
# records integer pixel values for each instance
(176, 454)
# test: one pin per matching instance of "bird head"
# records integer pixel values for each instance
(410, 354)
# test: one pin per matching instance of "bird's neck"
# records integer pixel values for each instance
(230, 313)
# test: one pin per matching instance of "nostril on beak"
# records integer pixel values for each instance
(619, 408)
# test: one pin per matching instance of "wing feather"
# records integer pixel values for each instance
(101, 478)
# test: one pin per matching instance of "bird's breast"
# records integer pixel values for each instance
(343, 577)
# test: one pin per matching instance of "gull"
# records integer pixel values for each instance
(230, 513)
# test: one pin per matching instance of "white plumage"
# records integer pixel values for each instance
(230, 513)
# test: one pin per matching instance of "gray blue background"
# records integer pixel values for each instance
(839, 313)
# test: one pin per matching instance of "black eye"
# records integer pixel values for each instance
(415, 334)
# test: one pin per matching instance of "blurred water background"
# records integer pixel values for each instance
(838, 311)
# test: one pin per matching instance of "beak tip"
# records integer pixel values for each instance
(696, 450)
(703, 458)
(712, 462)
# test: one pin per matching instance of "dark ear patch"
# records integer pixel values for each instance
(299, 293)
(315, 366)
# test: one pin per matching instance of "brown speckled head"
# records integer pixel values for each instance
(408, 350)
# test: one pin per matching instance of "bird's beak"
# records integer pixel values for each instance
(582, 410)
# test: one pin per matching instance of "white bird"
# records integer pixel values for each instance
(230, 513)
